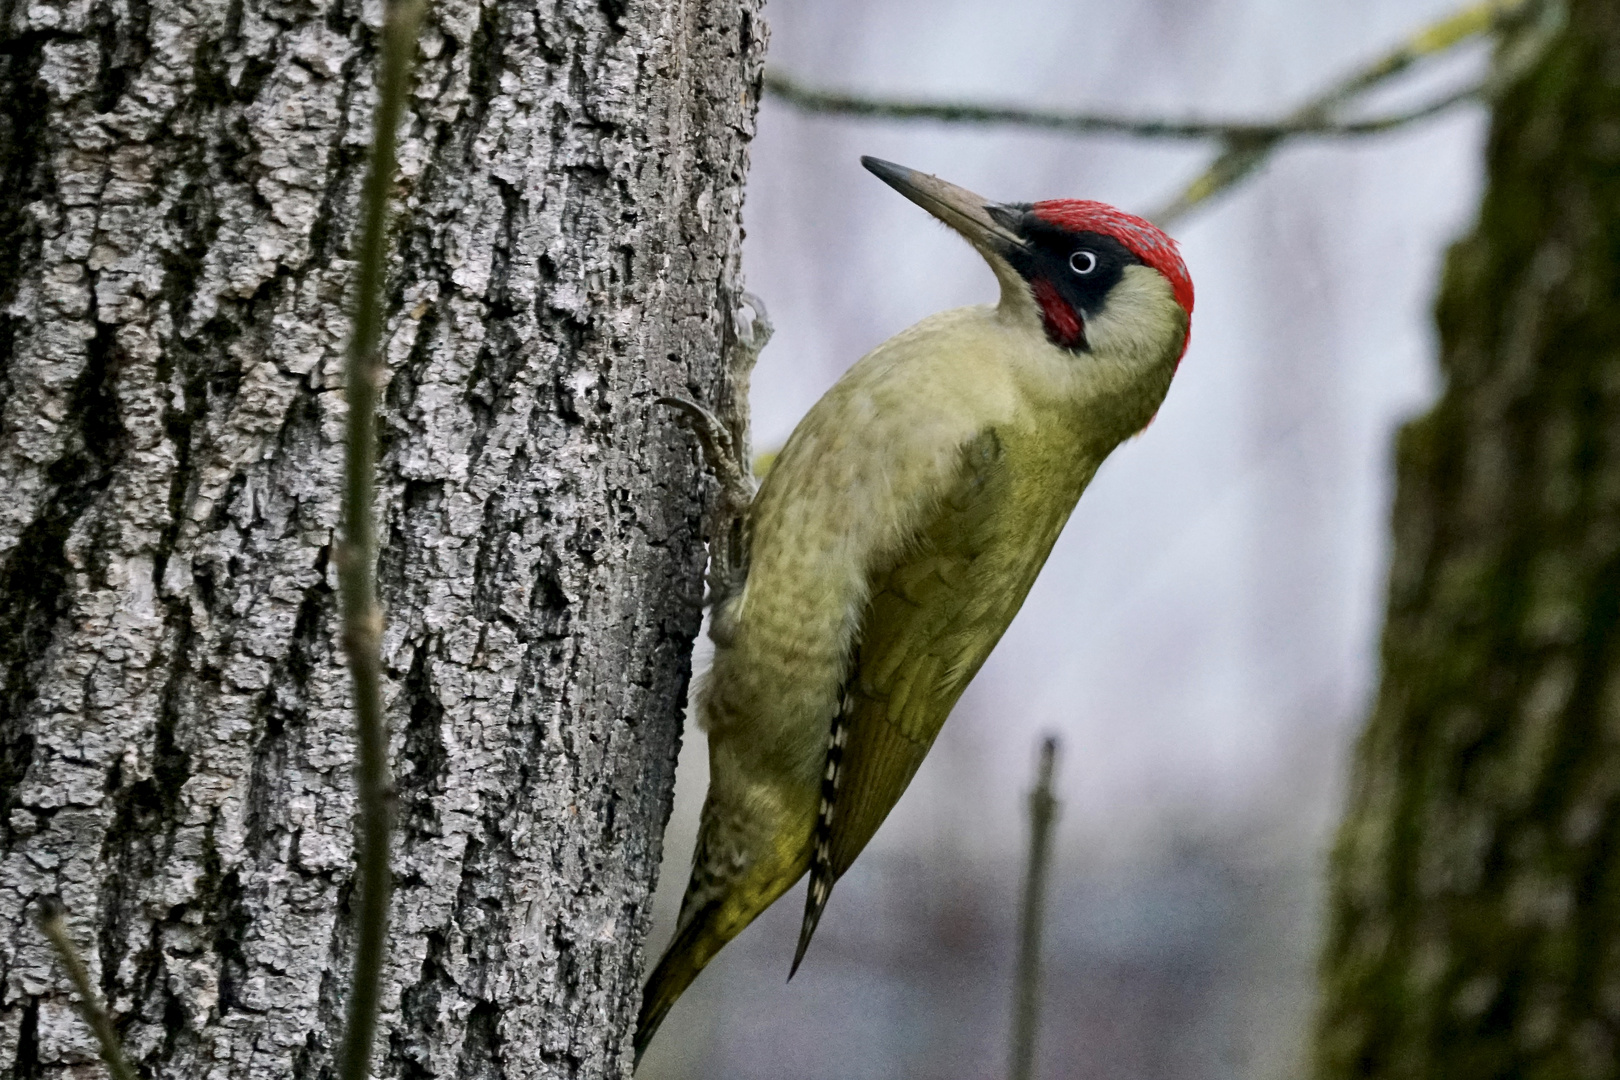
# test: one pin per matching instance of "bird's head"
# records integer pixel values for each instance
(1095, 278)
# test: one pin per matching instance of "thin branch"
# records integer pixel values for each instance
(1314, 118)
(1043, 809)
(1243, 156)
(838, 103)
(357, 564)
(1433, 40)
(52, 925)
(1247, 144)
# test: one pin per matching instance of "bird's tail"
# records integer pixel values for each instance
(694, 946)
(706, 932)
(823, 874)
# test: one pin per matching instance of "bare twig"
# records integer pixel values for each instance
(1436, 38)
(1247, 145)
(1314, 118)
(357, 564)
(838, 103)
(1242, 156)
(52, 925)
(1043, 809)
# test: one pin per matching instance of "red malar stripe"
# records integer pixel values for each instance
(1062, 323)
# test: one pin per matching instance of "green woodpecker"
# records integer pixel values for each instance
(897, 534)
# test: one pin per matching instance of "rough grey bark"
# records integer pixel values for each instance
(178, 183)
(1475, 905)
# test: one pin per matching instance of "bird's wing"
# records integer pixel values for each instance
(930, 623)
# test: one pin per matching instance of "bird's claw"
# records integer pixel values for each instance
(728, 539)
(760, 328)
(723, 435)
(718, 443)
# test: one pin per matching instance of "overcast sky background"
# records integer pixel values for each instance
(1204, 637)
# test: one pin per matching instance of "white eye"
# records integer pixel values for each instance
(1083, 262)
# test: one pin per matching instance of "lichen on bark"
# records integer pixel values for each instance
(180, 190)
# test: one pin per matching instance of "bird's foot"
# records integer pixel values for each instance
(720, 451)
(722, 432)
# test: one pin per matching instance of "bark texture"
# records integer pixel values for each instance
(1475, 918)
(178, 189)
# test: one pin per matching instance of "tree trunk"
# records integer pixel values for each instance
(1475, 907)
(180, 182)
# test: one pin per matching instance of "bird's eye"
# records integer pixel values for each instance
(1083, 262)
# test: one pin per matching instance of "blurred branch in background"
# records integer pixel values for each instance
(1043, 809)
(838, 103)
(1241, 158)
(1246, 145)
(53, 926)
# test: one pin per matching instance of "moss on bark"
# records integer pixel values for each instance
(1475, 901)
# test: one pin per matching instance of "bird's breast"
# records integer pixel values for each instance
(862, 479)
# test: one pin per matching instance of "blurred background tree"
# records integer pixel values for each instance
(1474, 918)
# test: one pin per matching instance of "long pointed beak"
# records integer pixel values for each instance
(971, 215)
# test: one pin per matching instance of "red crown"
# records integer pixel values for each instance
(1145, 240)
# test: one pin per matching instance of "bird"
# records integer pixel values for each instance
(896, 535)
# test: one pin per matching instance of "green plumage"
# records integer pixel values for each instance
(930, 623)
(894, 539)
